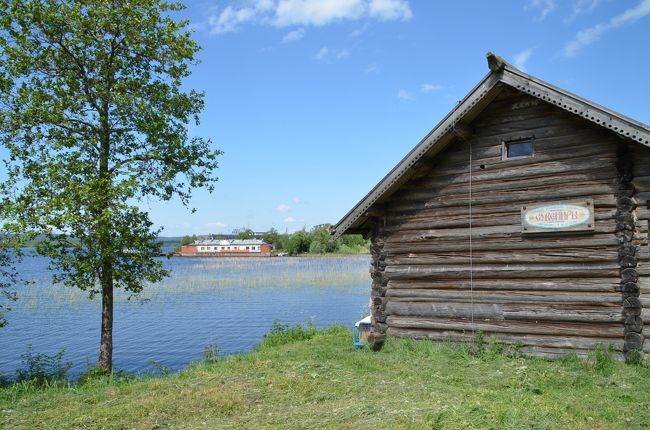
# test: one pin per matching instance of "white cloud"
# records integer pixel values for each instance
(296, 200)
(427, 88)
(590, 35)
(327, 54)
(390, 10)
(283, 208)
(521, 59)
(294, 35)
(230, 19)
(544, 6)
(372, 69)
(405, 95)
(322, 53)
(317, 12)
(289, 220)
(286, 13)
(580, 7)
(217, 224)
(359, 31)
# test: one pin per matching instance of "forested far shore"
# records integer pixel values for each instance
(316, 240)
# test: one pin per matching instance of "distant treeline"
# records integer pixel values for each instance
(314, 241)
(38, 239)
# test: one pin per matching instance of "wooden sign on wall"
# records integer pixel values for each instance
(558, 217)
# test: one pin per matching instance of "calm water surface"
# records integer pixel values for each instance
(228, 302)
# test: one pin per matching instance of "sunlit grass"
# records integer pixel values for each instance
(305, 378)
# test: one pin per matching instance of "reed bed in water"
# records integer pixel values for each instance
(223, 275)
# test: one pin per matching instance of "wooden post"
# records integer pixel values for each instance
(627, 254)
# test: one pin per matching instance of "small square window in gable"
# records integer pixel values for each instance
(517, 149)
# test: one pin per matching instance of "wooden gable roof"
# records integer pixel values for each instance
(455, 124)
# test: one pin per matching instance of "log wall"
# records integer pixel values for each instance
(551, 293)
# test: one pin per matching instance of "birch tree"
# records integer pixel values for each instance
(96, 121)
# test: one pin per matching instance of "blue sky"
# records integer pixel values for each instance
(313, 102)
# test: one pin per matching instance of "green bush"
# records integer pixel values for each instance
(95, 375)
(298, 243)
(212, 354)
(282, 334)
(42, 369)
(601, 359)
(317, 241)
(4, 382)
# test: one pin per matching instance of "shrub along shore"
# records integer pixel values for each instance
(308, 378)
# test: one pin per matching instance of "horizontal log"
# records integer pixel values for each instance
(606, 207)
(564, 255)
(491, 154)
(556, 284)
(508, 271)
(546, 146)
(641, 166)
(529, 196)
(424, 187)
(449, 165)
(540, 128)
(590, 329)
(565, 162)
(500, 297)
(449, 310)
(572, 342)
(642, 214)
(413, 210)
(643, 269)
(551, 121)
(516, 242)
(480, 233)
(607, 200)
(641, 183)
(452, 185)
(587, 167)
(569, 312)
(564, 312)
(460, 219)
(504, 114)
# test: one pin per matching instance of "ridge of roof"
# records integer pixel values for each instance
(500, 72)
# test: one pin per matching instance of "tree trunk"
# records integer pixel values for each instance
(105, 362)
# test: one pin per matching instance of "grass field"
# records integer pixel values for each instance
(304, 378)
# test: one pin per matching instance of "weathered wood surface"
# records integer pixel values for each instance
(591, 329)
(479, 296)
(503, 271)
(506, 242)
(553, 292)
(548, 341)
(535, 311)
(565, 255)
(610, 284)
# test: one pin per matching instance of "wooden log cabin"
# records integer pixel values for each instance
(524, 215)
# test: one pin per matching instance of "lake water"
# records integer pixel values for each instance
(228, 302)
